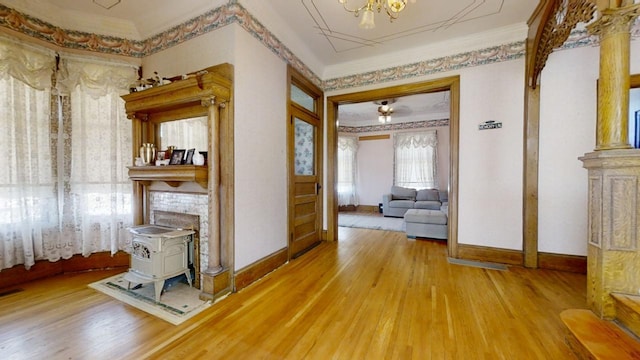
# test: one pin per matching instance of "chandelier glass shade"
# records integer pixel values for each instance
(391, 7)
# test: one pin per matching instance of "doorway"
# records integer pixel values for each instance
(305, 154)
(452, 84)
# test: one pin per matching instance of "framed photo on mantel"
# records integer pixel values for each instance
(176, 157)
(189, 159)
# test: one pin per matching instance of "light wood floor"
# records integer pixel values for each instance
(373, 295)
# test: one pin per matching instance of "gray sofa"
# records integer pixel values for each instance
(402, 199)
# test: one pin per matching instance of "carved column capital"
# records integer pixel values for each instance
(208, 101)
(212, 101)
(138, 116)
(615, 21)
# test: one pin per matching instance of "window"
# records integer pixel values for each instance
(64, 189)
(347, 150)
(415, 159)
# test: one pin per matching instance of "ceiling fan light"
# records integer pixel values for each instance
(367, 19)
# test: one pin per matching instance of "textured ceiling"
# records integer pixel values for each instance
(421, 107)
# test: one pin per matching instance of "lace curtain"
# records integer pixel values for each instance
(28, 201)
(64, 185)
(347, 170)
(30, 65)
(98, 200)
(415, 159)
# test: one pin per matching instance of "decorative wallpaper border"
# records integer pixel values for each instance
(202, 24)
(36, 28)
(490, 55)
(234, 12)
(393, 126)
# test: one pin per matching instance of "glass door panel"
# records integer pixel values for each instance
(305, 151)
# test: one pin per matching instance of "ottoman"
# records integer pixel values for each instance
(426, 223)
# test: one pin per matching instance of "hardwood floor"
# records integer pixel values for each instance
(373, 295)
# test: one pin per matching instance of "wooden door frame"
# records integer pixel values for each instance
(294, 77)
(449, 83)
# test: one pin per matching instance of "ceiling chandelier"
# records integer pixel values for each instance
(392, 7)
(385, 111)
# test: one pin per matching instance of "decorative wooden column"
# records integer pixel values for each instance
(614, 28)
(138, 137)
(614, 172)
(214, 264)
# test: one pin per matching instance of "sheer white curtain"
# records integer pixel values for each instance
(347, 170)
(28, 202)
(415, 159)
(97, 197)
(64, 188)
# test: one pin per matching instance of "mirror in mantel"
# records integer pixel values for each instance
(185, 134)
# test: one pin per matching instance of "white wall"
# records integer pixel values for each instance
(375, 170)
(375, 165)
(567, 131)
(260, 123)
(261, 151)
(198, 53)
(490, 166)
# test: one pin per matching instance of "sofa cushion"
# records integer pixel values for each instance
(404, 204)
(444, 195)
(429, 205)
(427, 195)
(425, 217)
(402, 193)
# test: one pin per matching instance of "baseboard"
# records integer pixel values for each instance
(359, 208)
(347, 208)
(489, 254)
(245, 276)
(43, 268)
(569, 263)
(368, 208)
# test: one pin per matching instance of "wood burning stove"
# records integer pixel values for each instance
(159, 253)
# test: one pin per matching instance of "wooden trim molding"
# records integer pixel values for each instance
(374, 137)
(560, 262)
(569, 263)
(247, 275)
(43, 268)
(452, 84)
(359, 208)
(489, 254)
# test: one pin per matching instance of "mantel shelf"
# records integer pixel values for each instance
(173, 175)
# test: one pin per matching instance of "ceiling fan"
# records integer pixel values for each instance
(385, 110)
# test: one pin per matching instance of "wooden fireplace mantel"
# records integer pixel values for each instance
(200, 94)
(208, 92)
(172, 175)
